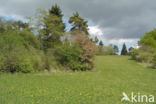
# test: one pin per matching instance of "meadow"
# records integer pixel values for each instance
(111, 76)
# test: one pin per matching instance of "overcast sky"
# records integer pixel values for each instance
(111, 20)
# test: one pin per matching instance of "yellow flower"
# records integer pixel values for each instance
(80, 93)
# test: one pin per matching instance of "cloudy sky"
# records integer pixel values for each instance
(114, 21)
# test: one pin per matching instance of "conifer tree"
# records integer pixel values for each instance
(54, 27)
(55, 10)
(124, 50)
(100, 43)
(78, 23)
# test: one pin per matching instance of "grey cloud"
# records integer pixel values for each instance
(122, 18)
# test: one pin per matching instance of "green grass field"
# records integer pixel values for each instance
(112, 76)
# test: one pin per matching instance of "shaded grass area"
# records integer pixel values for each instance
(112, 76)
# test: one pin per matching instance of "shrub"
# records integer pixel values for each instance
(18, 55)
(144, 54)
(30, 38)
(68, 55)
(50, 60)
(88, 51)
(77, 53)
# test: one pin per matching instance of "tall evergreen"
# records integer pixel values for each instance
(55, 10)
(100, 43)
(54, 27)
(124, 50)
(78, 23)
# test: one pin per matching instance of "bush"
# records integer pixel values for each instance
(88, 51)
(147, 50)
(144, 54)
(106, 50)
(68, 55)
(50, 60)
(18, 55)
(77, 53)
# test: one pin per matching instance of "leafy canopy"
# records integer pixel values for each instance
(149, 39)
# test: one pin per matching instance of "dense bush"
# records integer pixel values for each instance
(106, 50)
(17, 55)
(144, 54)
(68, 55)
(88, 50)
(77, 53)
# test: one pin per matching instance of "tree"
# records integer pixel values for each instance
(56, 10)
(96, 40)
(130, 50)
(19, 25)
(124, 50)
(100, 43)
(78, 23)
(100, 48)
(53, 28)
(2, 27)
(116, 49)
(88, 51)
(149, 39)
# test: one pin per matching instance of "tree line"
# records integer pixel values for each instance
(43, 43)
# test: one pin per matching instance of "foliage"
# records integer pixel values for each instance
(68, 55)
(55, 10)
(53, 28)
(149, 39)
(96, 40)
(17, 54)
(130, 50)
(100, 43)
(38, 44)
(7, 25)
(107, 50)
(147, 49)
(78, 23)
(124, 50)
(116, 49)
(88, 50)
(77, 53)
(144, 54)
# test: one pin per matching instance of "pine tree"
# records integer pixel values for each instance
(55, 10)
(78, 23)
(100, 43)
(124, 50)
(54, 27)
